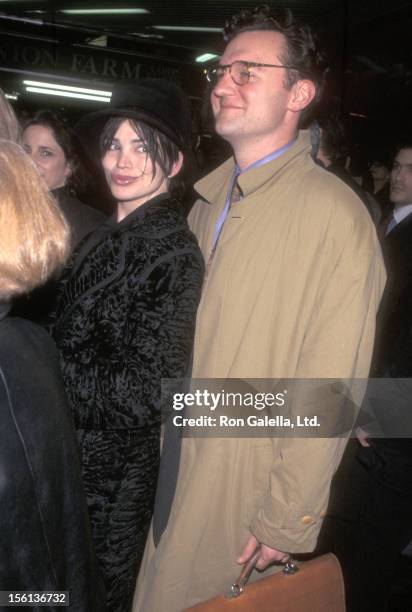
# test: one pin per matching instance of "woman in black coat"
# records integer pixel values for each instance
(125, 320)
(46, 543)
(51, 145)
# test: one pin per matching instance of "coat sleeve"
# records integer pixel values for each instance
(144, 333)
(337, 345)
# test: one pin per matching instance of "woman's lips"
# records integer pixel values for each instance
(121, 179)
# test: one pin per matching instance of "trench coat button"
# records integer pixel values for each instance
(307, 520)
(323, 514)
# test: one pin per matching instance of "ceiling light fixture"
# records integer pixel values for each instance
(146, 35)
(66, 94)
(168, 28)
(99, 41)
(80, 90)
(106, 11)
(205, 57)
(38, 22)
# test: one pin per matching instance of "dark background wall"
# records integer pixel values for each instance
(368, 45)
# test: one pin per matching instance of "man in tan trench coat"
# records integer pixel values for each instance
(294, 278)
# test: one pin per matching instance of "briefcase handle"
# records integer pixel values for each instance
(236, 589)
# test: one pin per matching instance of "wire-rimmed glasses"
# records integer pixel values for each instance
(240, 71)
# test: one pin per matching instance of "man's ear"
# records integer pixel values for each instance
(177, 166)
(302, 94)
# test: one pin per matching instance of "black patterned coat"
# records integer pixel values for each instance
(125, 319)
(46, 543)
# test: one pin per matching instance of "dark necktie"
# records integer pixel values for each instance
(386, 227)
(236, 195)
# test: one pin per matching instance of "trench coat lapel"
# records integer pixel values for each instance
(214, 188)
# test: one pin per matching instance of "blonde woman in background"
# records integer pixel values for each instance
(51, 146)
(46, 543)
(9, 126)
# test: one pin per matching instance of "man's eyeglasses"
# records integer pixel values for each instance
(240, 71)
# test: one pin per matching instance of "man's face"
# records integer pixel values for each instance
(401, 179)
(257, 108)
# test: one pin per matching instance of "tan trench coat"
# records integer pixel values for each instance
(292, 292)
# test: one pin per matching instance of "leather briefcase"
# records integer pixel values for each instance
(314, 586)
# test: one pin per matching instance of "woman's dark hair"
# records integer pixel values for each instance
(66, 140)
(333, 140)
(160, 149)
(300, 48)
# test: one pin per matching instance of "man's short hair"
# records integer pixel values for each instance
(300, 49)
(406, 143)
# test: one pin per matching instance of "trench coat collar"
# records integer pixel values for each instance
(210, 187)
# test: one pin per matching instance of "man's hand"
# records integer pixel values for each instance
(267, 555)
(362, 436)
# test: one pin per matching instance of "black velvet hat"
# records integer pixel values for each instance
(158, 103)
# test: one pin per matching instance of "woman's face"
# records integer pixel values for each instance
(129, 169)
(379, 171)
(39, 142)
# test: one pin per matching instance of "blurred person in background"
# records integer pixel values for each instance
(333, 153)
(46, 540)
(370, 508)
(125, 318)
(379, 170)
(396, 240)
(51, 146)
